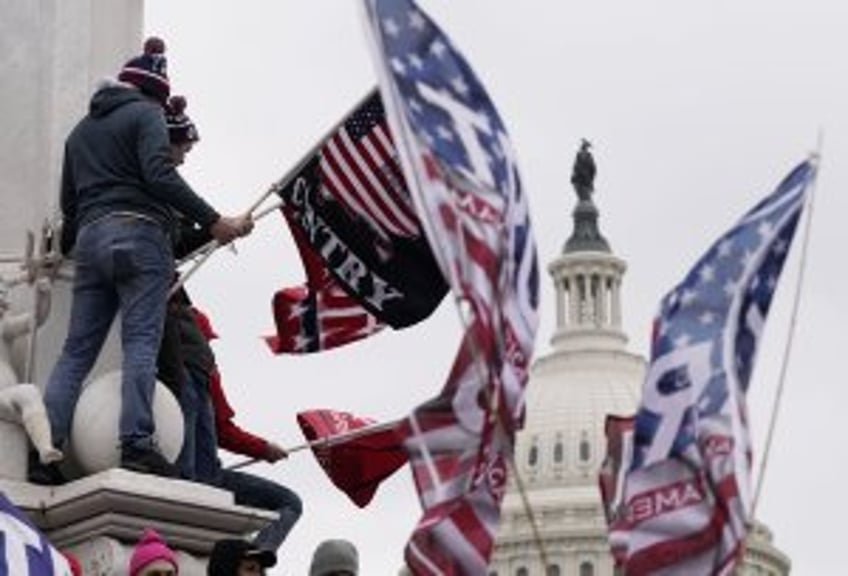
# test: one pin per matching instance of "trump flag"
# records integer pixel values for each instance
(464, 183)
(684, 504)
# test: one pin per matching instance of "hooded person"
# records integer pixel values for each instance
(119, 193)
(233, 557)
(335, 558)
(152, 555)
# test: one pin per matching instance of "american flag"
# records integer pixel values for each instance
(464, 183)
(24, 550)
(367, 263)
(686, 496)
(359, 168)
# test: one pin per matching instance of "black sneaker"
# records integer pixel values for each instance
(149, 461)
(44, 474)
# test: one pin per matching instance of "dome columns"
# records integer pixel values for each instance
(588, 297)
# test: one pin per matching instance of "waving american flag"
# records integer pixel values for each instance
(686, 496)
(367, 263)
(465, 185)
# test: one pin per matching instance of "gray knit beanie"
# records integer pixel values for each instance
(334, 556)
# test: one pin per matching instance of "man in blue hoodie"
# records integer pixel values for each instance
(118, 198)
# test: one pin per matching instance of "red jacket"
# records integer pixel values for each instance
(230, 435)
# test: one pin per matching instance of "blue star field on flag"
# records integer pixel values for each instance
(723, 302)
(684, 505)
(464, 182)
(434, 79)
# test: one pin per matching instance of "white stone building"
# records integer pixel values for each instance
(588, 374)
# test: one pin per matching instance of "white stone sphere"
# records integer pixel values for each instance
(94, 432)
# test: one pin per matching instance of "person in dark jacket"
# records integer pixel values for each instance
(209, 425)
(118, 197)
(187, 365)
(233, 557)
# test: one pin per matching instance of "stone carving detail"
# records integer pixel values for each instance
(21, 401)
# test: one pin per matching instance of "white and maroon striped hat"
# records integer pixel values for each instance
(149, 72)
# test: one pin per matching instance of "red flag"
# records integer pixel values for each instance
(355, 462)
(319, 315)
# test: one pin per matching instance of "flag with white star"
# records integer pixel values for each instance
(24, 549)
(320, 314)
(367, 263)
(687, 493)
(464, 183)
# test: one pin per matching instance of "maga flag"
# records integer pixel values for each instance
(348, 208)
(464, 183)
(24, 550)
(686, 495)
(355, 462)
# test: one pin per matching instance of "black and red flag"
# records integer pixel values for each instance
(367, 261)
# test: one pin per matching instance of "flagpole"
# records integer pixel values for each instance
(325, 441)
(796, 304)
(204, 252)
(201, 250)
(288, 176)
(408, 160)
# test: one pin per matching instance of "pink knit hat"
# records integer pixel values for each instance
(151, 547)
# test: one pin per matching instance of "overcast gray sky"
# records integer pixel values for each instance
(696, 110)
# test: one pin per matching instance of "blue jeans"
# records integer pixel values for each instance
(123, 264)
(198, 461)
(198, 458)
(257, 492)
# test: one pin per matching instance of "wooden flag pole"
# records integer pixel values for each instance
(325, 441)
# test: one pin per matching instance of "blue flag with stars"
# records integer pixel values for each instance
(686, 495)
(24, 550)
(464, 182)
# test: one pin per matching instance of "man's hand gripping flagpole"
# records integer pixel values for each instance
(202, 254)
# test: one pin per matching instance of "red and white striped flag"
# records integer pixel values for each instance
(682, 506)
(464, 181)
(359, 168)
(367, 262)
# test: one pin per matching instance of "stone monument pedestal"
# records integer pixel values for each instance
(99, 518)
